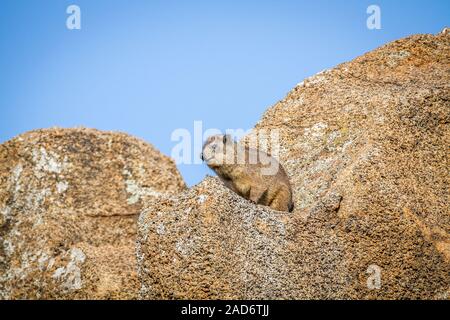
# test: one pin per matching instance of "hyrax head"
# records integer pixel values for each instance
(217, 150)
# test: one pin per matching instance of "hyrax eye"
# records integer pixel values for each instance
(224, 139)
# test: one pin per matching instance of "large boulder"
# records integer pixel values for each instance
(366, 148)
(69, 201)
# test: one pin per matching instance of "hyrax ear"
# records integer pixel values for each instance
(227, 138)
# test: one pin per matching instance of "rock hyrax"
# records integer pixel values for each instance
(251, 173)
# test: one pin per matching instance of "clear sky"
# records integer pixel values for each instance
(150, 67)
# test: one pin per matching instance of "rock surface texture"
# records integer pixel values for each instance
(69, 201)
(366, 147)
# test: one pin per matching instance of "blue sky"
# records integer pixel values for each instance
(150, 67)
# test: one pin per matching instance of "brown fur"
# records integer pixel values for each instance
(250, 177)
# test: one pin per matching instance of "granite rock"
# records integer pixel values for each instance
(69, 201)
(365, 145)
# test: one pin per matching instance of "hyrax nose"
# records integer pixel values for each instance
(201, 156)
